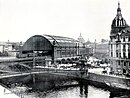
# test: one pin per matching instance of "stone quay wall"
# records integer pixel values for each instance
(102, 78)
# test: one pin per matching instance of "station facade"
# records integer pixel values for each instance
(120, 44)
(53, 47)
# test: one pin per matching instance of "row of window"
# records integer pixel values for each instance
(119, 47)
(124, 39)
(118, 54)
(123, 63)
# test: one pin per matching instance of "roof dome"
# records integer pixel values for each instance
(119, 22)
(81, 39)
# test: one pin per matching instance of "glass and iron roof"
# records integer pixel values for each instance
(61, 41)
(46, 42)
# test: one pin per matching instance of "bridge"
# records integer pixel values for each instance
(70, 73)
(12, 67)
(14, 59)
(14, 71)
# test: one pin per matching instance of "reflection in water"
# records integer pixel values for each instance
(86, 90)
(83, 90)
(80, 91)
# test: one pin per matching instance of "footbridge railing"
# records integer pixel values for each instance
(72, 73)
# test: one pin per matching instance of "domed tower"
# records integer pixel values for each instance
(118, 22)
(81, 39)
(119, 47)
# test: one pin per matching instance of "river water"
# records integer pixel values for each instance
(74, 91)
(79, 92)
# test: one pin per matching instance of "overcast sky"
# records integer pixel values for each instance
(21, 19)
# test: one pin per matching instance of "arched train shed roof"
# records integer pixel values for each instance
(46, 42)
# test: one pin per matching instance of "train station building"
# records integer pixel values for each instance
(53, 47)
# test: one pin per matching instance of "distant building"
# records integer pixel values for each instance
(120, 44)
(8, 48)
(88, 42)
(81, 39)
(85, 44)
(53, 47)
(100, 50)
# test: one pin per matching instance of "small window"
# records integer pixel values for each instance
(129, 64)
(120, 55)
(111, 46)
(123, 39)
(124, 54)
(124, 71)
(124, 63)
(124, 47)
(128, 38)
(111, 54)
(117, 54)
(128, 55)
(119, 62)
(116, 45)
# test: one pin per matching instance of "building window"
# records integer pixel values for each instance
(123, 39)
(128, 55)
(128, 38)
(119, 62)
(129, 46)
(124, 54)
(116, 45)
(124, 48)
(129, 64)
(116, 53)
(124, 63)
(111, 54)
(120, 55)
(111, 46)
(124, 71)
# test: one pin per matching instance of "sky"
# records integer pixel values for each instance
(21, 19)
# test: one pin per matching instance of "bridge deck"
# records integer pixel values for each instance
(14, 59)
(72, 73)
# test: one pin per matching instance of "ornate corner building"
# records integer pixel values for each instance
(119, 44)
